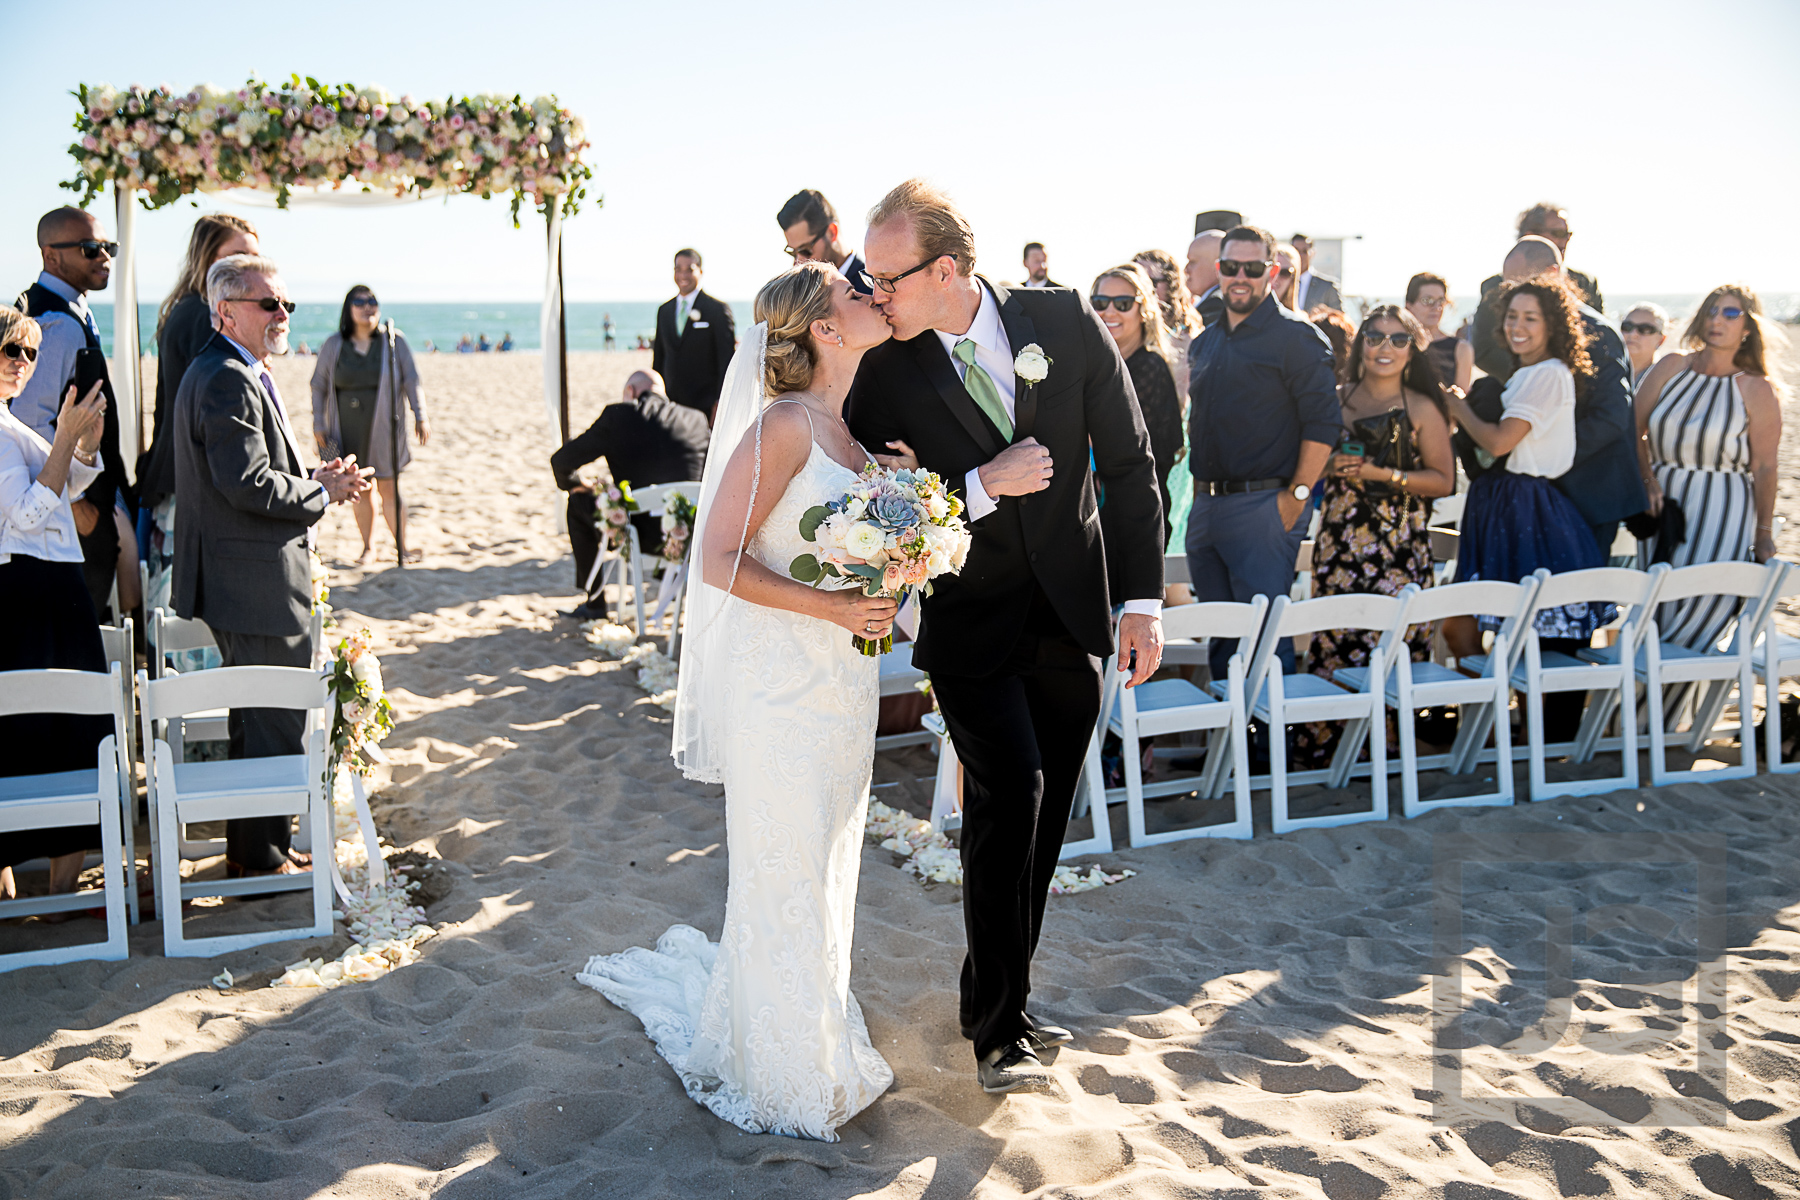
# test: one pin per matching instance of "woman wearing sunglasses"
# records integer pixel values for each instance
(46, 616)
(1375, 501)
(1711, 426)
(353, 389)
(1645, 329)
(1126, 301)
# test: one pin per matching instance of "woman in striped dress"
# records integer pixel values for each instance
(1712, 427)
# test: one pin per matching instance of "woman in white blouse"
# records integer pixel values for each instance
(46, 617)
(1515, 519)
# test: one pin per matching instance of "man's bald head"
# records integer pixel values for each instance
(1202, 271)
(1531, 256)
(65, 224)
(643, 382)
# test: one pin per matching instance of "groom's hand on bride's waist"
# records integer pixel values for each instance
(1140, 646)
(1018, 470)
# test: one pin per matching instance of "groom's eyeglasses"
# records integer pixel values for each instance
(1229, 268)
(887, 285)
(1122, 303)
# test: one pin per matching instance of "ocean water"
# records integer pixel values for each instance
(442, 325)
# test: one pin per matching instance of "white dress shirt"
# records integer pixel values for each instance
(994, 354)
(33, 519)
(1301, 287)
(1034, 283)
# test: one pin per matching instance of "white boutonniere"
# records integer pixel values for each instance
(1032, 364)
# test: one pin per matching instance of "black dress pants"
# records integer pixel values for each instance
(1021, 733)
(261, 843)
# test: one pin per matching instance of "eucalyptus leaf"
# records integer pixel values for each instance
(811, 519)
(805, 568)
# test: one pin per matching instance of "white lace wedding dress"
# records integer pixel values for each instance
(762, 1028)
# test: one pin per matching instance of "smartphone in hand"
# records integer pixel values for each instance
(90, 368)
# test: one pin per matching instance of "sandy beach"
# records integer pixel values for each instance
(1252, 1019)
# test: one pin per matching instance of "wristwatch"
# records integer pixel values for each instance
(1301, 491)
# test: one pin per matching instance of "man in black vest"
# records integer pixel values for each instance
(694, 339)
(77, 260)
(645, 439)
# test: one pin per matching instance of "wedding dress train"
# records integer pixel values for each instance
(762, 1027)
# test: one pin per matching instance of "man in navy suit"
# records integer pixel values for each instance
(694, 339)
(810, 225)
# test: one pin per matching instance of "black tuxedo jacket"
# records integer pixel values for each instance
(693, 361)
(644, 441)
(246, 500)
(1050, 540)
(852, 270)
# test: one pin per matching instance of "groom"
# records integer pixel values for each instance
(1014, 642)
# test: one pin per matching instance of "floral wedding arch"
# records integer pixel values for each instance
(309, 142)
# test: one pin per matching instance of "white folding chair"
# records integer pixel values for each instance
(82, 797)
(1543, 672)
(1661, 664)
(900, 678)
(117, 642)
(1182, 651)
(1175, 706)
(1414, 685)
(1280, 700)
(282, 786)
(170, 634)
(639, 567)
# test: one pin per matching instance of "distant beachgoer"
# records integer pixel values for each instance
(353, 407)
(606, 326)
(483, 345)
(430, 346)
(1452, 356)
(466, 345)
(1646, 328)
(506, 342)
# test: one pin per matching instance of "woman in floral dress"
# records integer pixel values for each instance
(1373, 534)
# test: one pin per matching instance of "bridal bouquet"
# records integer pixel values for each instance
(612, 514)
(677, 527)
(893, 530)
(364, 714)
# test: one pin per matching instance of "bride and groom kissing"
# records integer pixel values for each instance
(775, 702)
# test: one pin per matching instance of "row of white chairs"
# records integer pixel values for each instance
(632, 570)
(163, 712)
(1674, 677)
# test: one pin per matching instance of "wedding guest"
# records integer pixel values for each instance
(1287, 282)
(1263, 417)
(1202, 274)
(1037, 267)
(1126, 302)
(694, 339)
(1339, 332)
(810, 225)
(645, 439)
(1711, 422)
(247, 506)
(1315, 289)
(1515, 519)
(609, 330)
(353, 401)
(77, 260)
(1180, 318)
(1453, 358)
(1645, 329)
(46, 616)
(1375, 506)
(183, 327)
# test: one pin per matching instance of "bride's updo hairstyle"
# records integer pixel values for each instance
(790, 303)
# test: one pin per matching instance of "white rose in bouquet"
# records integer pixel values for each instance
(937, 506)
(864, 540)
(365, 668)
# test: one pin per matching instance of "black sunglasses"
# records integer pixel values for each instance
(887, 285)
(362, 302)
(1374, 337)
(267, 303)
(89, 247)
(794, 252)
(1730, 312)
(1634, 327)
(18, 350)
(1122, 303)
(1229, 268)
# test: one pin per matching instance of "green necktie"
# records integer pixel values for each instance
(981, 386)
(681, 315)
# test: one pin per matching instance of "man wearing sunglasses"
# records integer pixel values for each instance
(810, 225)
(248, 506)
(1262, 420)
(77, 260)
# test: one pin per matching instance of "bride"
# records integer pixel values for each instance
(775, 703)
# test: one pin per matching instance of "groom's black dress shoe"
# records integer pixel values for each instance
(585, 612)
(1040, 1036)
(1011, 1068)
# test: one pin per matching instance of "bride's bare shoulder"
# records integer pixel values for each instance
(786, 431)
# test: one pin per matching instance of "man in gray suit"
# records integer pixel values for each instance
(247, 506)
(1315, 289)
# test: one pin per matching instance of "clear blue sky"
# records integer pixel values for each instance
(1668, 129)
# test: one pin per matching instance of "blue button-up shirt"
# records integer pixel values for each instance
(41, 401)
(1256, 392)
